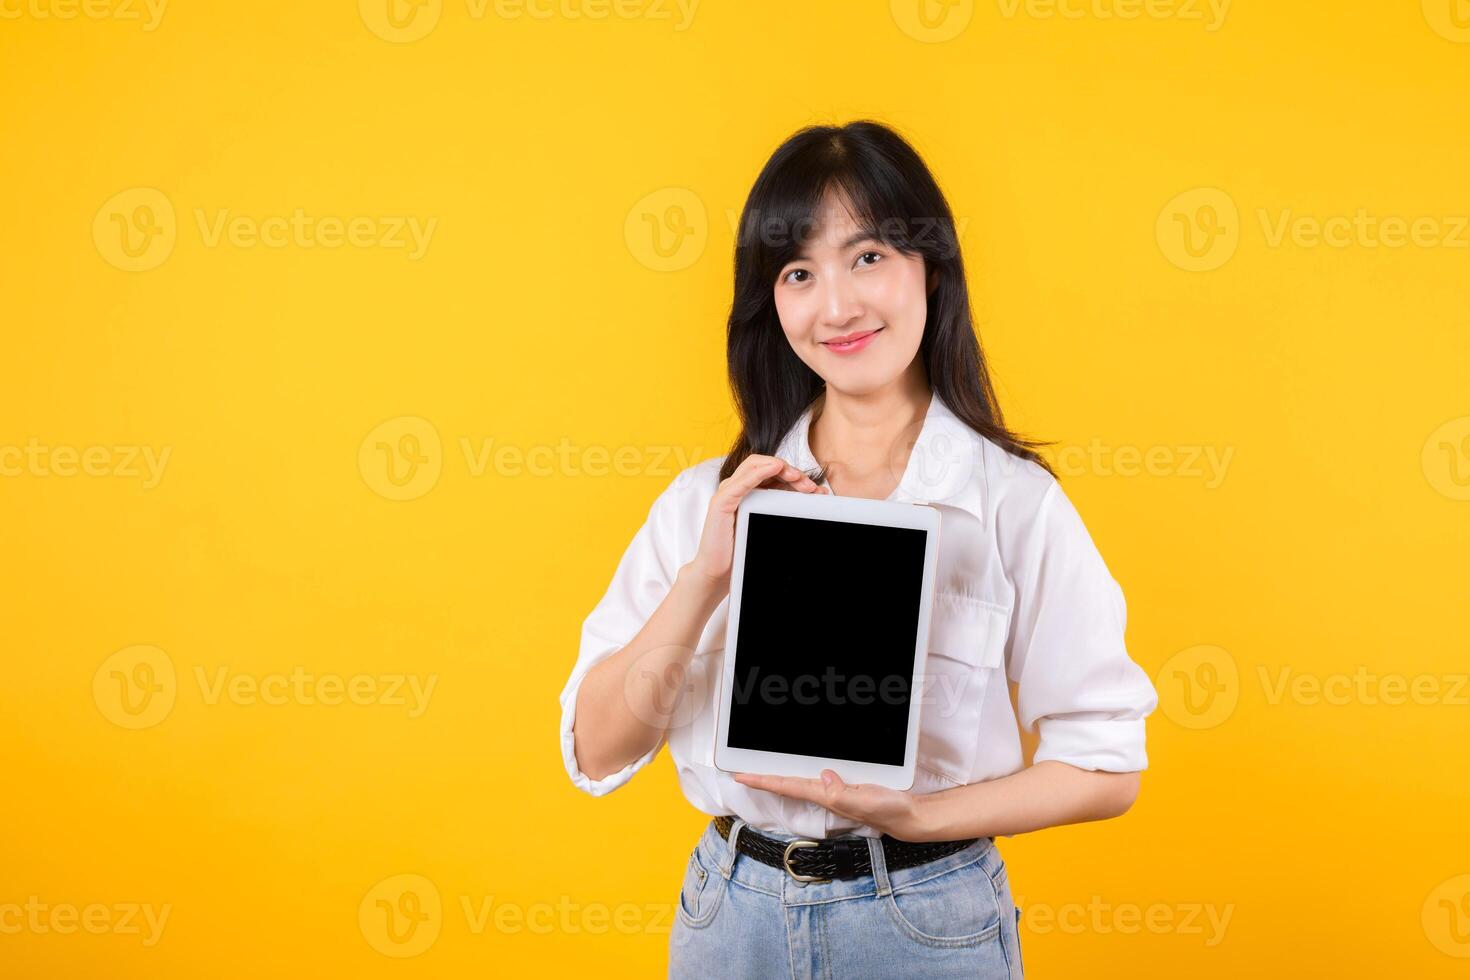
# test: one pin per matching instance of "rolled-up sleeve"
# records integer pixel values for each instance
(1075, 681)
(644, 576)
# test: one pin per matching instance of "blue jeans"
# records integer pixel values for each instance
(737, 917)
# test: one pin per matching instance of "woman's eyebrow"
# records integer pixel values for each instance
(856, 239)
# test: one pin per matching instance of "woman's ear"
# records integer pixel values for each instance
(933, 280)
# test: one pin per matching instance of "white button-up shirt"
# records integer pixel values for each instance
(1022, 596)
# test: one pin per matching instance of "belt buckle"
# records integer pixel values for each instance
(786, 862)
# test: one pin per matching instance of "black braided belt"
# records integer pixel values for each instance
(835, 857)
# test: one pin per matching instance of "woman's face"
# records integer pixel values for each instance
(845, 286)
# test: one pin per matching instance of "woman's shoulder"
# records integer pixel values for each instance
(1032, 512)
(676, 516)
(1015, 487)
(688, 494)
(704, 475)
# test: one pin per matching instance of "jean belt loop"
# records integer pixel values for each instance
(730, 847)
(880, 868)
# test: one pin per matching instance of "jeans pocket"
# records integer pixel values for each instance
(955, 908)
(699, 894)
(1020, 959)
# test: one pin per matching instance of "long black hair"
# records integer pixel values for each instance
(892, 195)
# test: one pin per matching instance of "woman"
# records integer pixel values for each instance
(856, 371)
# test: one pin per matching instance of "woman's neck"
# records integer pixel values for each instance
(864, 440)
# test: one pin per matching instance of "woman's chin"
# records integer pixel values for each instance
(859, 381)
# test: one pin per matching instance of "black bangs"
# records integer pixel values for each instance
(889, 192)
(785, 209)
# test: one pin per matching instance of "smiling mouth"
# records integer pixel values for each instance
(852, 341)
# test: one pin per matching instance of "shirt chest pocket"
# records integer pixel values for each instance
(967, 638)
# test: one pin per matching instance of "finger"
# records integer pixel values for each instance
(792, 477)
(855, 799)
(794, 787)
(859, 801)
(798, 480)
(766, 471)
(751, 474)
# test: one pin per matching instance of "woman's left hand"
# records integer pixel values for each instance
(889, 811)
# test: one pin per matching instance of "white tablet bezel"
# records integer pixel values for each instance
(855, 510)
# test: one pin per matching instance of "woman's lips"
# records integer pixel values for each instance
(857, 343)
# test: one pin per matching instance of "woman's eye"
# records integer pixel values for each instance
(869, 258)
(791, 276)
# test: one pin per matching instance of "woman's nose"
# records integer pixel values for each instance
(840, 305)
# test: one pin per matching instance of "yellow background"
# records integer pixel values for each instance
(542, 315)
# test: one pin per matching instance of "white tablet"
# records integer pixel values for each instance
(827, 638)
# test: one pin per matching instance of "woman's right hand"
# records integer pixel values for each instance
(711, 564)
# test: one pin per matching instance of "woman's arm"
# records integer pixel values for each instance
(1047, 794)
(625, 703)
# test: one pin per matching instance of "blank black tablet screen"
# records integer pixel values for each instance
(825, 651)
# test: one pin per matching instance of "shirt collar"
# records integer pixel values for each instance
(946, 465)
